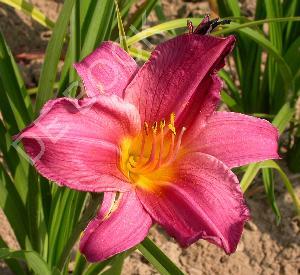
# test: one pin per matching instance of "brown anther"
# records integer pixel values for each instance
(172, 123)
(154, 127)
(146, 128)
(190, 26)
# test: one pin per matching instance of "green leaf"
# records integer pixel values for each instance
(116, 265)
(292, 56)
(75, 38)
(122, 35)
(230, 102)
(170, 25)
(13, 207)
(249, 176)
(268, 46)
(34, 260)
(283, 118)
(252, 171)
(157, 258)
(112, 265)
(76, 228)
(288, 185)
(226, 8)
(13, 264)
(72, 226)
(80, 264)
(233, 89)
(139, 16)
(96, 26)
(139, 53)
(268, 180)
(53, 53)
(33, 210)
(16, 165)
(294, 156)
(281, 121)
(95, 269)
(13, 86)
(30, 10)
(236, 26)
(181, 23)
(159, 11)
(94, 15)
(62, 198)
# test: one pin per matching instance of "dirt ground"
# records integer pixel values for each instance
(264, 249)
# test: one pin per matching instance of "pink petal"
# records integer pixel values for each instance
(201, 106)
(107, 70)
(75, 143)
(237, 139)
(174, 75)
(116, 231)
(205, 201)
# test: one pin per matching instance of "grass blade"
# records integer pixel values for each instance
(38, 265)
(139, 17)
(30, 10)
(181, 23)
(157, 258)
(281, 120)
(14, 87)
(268, 180)
(13, 208)
(13, 264)
(122, 35)
(100, 21)
(87, 215)
(272, 164)
(53, 53)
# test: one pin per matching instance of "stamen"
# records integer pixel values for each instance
(173, 153)
(154, 127)
(148, 165)
(172, 123)
(170, 153)
(146, 128)
(143, 144)
(162, 126)
(179, 142)
(190, 26)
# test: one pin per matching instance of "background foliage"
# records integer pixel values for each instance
(262, 79)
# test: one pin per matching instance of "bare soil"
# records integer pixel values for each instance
(264, 249)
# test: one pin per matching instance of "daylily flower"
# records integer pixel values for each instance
(151, 139)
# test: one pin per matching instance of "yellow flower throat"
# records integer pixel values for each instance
(147, 159)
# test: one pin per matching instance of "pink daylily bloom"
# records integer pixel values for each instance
(151, 139)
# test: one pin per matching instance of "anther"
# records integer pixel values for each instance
(154, 127)
(146, 128)
(190, 26)
(172, 123)
(162, 124)
(207, 25)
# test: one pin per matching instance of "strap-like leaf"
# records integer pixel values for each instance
(53, 53)
(13, 207)
(122, 35)
(34, 260)
(157, 258)
(30, 10)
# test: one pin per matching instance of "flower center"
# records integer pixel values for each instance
(146, 160)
